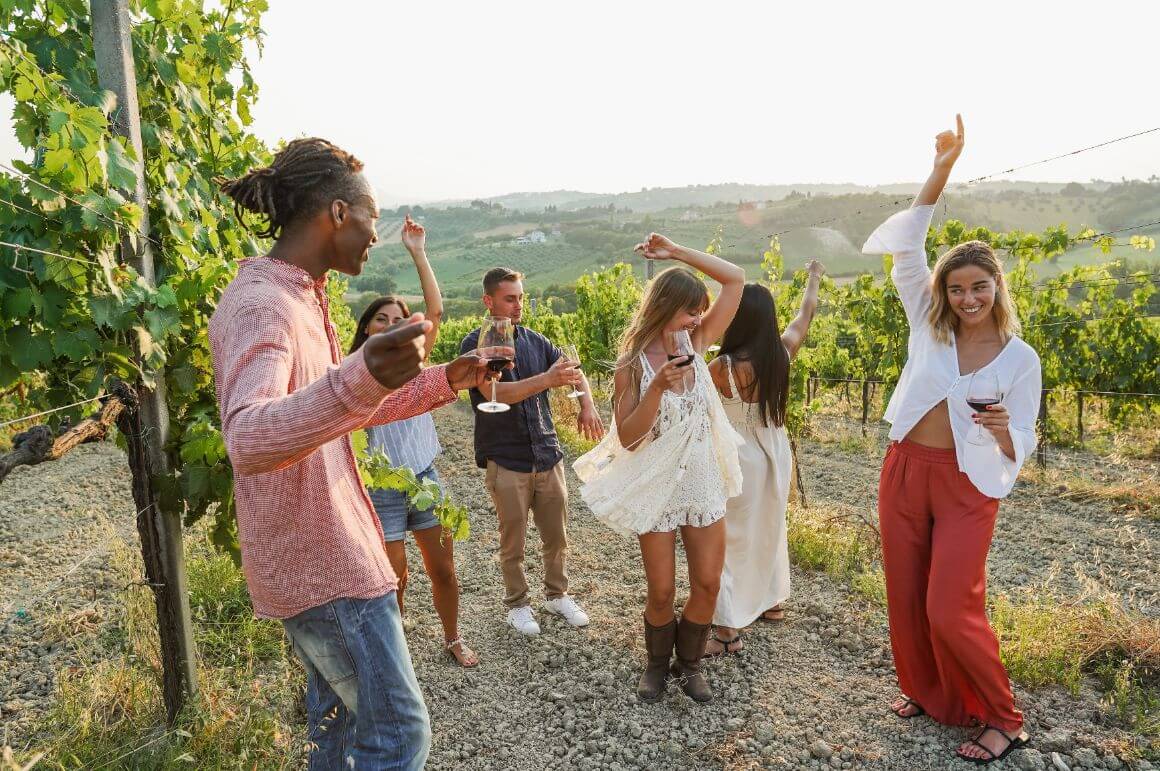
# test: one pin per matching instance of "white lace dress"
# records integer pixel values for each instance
(682, 474)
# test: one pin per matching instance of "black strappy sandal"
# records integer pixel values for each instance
(1012, 745)
(724, 646)
(908, 702)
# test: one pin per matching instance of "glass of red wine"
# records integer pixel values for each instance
(982, 391)
(497, 346)
(680, 350)
(681, 347)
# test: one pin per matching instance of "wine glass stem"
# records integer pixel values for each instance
(493, 391)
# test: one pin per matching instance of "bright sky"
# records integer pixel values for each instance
(464, 99)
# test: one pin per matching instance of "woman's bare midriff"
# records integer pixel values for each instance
(934, 429)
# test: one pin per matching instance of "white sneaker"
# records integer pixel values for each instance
(568, 608)
(523, 621)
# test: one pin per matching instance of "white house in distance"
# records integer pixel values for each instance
(535, 237)
(690, 216)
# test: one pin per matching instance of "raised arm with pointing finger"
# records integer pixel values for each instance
(948, 147)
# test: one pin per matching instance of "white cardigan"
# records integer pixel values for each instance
(932, 372)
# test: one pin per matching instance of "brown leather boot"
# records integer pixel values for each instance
(687, 668)
(658, 643)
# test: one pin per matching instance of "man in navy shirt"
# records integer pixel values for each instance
(522, 455)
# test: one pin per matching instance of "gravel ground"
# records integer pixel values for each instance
(811, 692)
(1044, 541)
(58, 523)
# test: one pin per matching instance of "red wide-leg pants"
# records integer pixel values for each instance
(936, 531)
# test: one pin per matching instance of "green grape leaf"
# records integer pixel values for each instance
(120, 166)
(18, 304)
(27, 350)
(76, 345)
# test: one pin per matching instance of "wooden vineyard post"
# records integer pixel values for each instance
(1041, 428)
(809, 388)
(146, 425)
(865, 406)
(797, 472)
(1079, 415)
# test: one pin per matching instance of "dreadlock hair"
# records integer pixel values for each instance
(306, 175)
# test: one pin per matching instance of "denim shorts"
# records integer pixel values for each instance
(396, 512)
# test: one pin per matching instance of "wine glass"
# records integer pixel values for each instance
(571, 354)
(680, 346)
(497, 346)
(982, 390)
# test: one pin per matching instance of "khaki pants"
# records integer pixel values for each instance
(545, 493)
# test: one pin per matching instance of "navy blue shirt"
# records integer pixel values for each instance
(523, 438)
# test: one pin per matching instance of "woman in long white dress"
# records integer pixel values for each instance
(752, 375)
(670, 462)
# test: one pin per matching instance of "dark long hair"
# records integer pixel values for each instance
(360, 334)
(754, 337)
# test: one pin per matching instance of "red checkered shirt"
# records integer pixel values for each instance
(289, 401)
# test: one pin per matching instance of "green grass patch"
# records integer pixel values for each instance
(109, 711)
(1045, 642)
(837, 540)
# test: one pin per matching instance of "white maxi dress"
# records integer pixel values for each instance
(756, 574)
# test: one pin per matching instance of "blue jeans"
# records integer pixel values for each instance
(363, 703)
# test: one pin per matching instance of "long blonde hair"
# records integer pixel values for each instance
(674, 290)
(942, 318)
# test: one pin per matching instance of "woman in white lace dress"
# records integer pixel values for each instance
(752, 375)
(671, 461)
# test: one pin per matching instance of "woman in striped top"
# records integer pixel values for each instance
(414, 444)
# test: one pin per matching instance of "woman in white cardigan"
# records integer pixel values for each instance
(948, 465)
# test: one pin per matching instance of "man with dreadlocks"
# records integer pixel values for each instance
(312, 547)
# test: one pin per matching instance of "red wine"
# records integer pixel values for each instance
(495, 365)
(980, 405)
(688, 359)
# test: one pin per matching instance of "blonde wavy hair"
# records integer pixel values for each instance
(674, 290)
(942, 318)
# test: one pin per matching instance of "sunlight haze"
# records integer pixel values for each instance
(461, 100)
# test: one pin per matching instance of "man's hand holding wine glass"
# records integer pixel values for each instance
(394, 358)
(471, 371)
(564, 372)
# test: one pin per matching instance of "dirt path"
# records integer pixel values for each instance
(807, 693)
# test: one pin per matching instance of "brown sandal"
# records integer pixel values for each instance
(468, 653)
(778, 614)
(735, 640)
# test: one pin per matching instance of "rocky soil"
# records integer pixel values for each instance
(811, 692)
